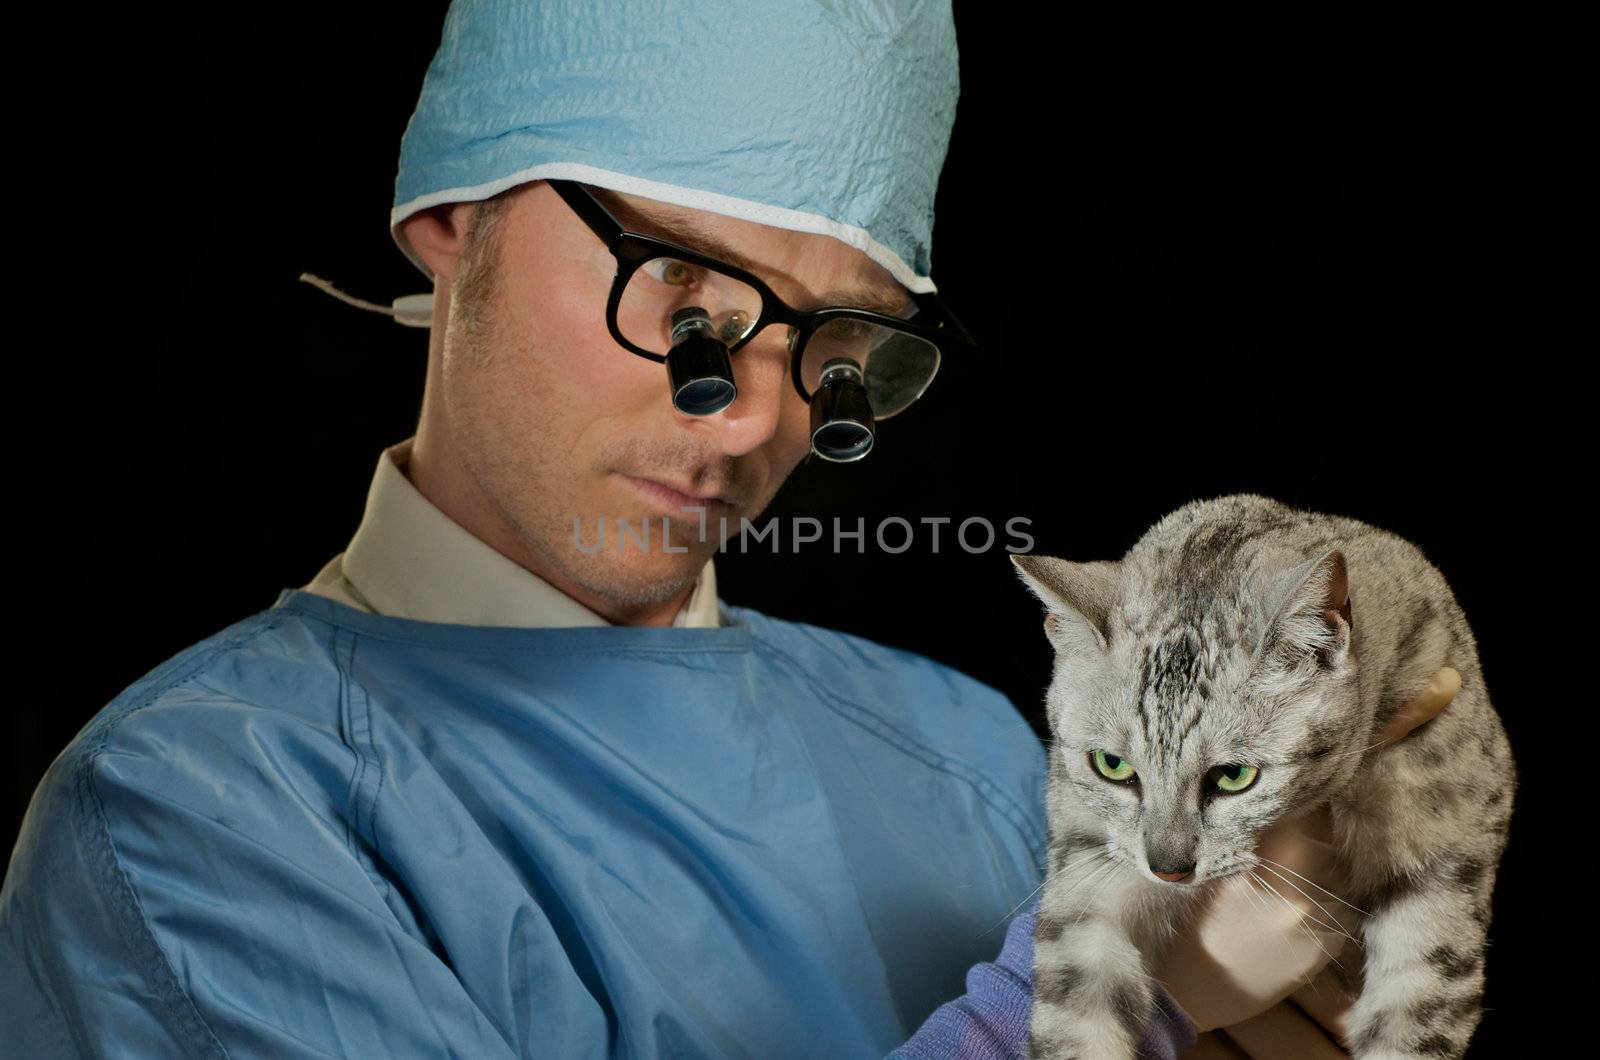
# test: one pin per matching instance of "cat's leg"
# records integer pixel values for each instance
(1423, 975)
(1092, 997)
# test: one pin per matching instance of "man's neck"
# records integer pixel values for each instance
(468, 508)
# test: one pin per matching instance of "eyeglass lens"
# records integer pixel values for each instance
(896, 366)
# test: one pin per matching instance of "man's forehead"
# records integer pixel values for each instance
(869, 286)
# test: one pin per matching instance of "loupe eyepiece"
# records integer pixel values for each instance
(699, 371)
(841, 416)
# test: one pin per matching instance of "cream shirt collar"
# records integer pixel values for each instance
(408, 559)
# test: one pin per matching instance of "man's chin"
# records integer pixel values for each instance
(635, 578)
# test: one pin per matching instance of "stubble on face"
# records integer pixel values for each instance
(507, 389)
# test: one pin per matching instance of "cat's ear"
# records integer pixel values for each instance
(1314, 619)
(1080, 597)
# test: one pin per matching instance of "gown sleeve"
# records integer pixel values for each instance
(990, 1021)
(172, 898)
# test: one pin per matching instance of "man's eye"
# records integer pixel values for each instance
(672, 272)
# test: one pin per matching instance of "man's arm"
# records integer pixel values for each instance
(990, 1021)
(193, 895)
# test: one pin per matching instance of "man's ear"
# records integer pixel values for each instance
(1080, 597)
(439, 235)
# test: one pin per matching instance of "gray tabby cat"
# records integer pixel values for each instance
(1232, 671)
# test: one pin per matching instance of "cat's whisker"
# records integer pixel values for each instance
(1106, 881)
(1095, 857)
(1313, 883)
(1260, 902)
(1313, 936)
(1281, 896)
(1106, 871)
(1267, 911)
(1098, 855)
(1363, 750)
(1019, 905)
(1332, 923)
(1301, 923)
(1103, 874)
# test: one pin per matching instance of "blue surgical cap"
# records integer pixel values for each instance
(823, 116)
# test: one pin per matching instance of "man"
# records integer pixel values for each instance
(481, 790)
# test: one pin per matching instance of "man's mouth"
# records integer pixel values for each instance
(677, 497)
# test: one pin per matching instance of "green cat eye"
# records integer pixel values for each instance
(1112, 768)
(1233, 777)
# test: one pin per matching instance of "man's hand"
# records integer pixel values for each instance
(1269, 935)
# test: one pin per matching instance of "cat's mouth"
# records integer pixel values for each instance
(1181, 878)
(1185, 882)
(1237, 871)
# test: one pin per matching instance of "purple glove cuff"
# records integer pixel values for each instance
(990, 1021)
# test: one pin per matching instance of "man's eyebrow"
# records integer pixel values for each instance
(888, 298)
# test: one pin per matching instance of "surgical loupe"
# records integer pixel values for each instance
(700, 377)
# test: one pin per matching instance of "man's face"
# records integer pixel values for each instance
(549, 420)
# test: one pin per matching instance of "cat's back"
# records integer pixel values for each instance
(1407, 620)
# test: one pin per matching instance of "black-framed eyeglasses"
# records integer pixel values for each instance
(899, 355)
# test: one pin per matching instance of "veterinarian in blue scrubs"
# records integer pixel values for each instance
(474, 791)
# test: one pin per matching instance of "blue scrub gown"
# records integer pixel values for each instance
(324, 832)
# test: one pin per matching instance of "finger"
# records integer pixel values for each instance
(1424, 706)
(1281, 1031)
(1304, 843)
(1213, 1046)
(1327, 1000)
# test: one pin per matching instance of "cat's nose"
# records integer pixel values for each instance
(1171, 854)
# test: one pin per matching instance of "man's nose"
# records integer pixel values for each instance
(760, 372)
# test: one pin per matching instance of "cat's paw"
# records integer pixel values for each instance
(1077, 1036)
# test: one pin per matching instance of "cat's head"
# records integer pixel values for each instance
(1193, 705)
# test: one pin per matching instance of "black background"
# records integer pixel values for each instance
(1307, 261)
